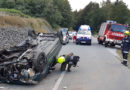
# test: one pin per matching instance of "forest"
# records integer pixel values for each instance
(59, 13)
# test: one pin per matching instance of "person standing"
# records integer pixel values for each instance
(74, 37)
(125, 46)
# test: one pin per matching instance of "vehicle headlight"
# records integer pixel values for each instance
(64, 38)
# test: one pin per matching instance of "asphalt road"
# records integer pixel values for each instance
(99, 69)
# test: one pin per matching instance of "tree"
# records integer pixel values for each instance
(8, 4)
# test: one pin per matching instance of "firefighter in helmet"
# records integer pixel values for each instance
(125, 46)
(65, 60)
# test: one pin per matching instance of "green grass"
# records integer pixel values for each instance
(12, 17)
(13, 12)
(121, 59)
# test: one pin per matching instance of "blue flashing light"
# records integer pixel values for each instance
(89, 29)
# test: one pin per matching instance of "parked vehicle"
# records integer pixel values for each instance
(65, 35)
(70, 35)
(83, 37)
(29, 62)
(111, 33)
(85, 28)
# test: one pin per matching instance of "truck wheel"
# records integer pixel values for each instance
(99, 42)
(112, 45)
(40, 62)
(106, 44)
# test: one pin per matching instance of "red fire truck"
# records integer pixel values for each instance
(111, 33)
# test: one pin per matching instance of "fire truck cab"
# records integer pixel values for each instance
(111, 33)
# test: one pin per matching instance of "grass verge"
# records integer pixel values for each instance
(13, 12)
(121, 59)
(12, 17)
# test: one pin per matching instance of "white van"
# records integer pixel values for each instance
(84, 35)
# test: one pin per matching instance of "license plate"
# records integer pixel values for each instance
(118, 41)
(83, 42)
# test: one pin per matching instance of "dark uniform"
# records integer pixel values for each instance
(70, 60)
(125, 49)
(67, 61)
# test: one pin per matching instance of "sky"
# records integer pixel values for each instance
(80, 4)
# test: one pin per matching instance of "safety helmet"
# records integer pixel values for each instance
(61, 59)
(127, 32)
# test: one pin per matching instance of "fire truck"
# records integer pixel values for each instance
(111, 33)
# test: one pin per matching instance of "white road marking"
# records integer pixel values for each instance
(59, 81)
(2, 87)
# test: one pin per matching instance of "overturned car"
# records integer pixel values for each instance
(30, 61)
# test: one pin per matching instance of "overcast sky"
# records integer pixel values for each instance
(80, 4)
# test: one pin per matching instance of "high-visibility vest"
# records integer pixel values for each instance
(61, 59)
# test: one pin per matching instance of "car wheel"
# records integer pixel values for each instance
(77, 43)
(40, 62)
(68, 41)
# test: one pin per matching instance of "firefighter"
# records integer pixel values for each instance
(68, 59)
(65, 60)
(125, 46)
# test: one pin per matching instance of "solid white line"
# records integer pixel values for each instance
(2, 87)
(59, 81)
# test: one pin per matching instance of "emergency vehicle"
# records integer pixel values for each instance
(84, 35)
(111, 33)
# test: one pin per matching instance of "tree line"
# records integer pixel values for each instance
(58, 12)
(94, 14)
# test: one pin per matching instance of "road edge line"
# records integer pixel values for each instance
(59, 81)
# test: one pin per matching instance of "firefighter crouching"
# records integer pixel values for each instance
(125, 46)
(69, 60)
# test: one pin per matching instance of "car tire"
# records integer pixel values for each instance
(40, 62)
(68, 42)
(76, 42)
